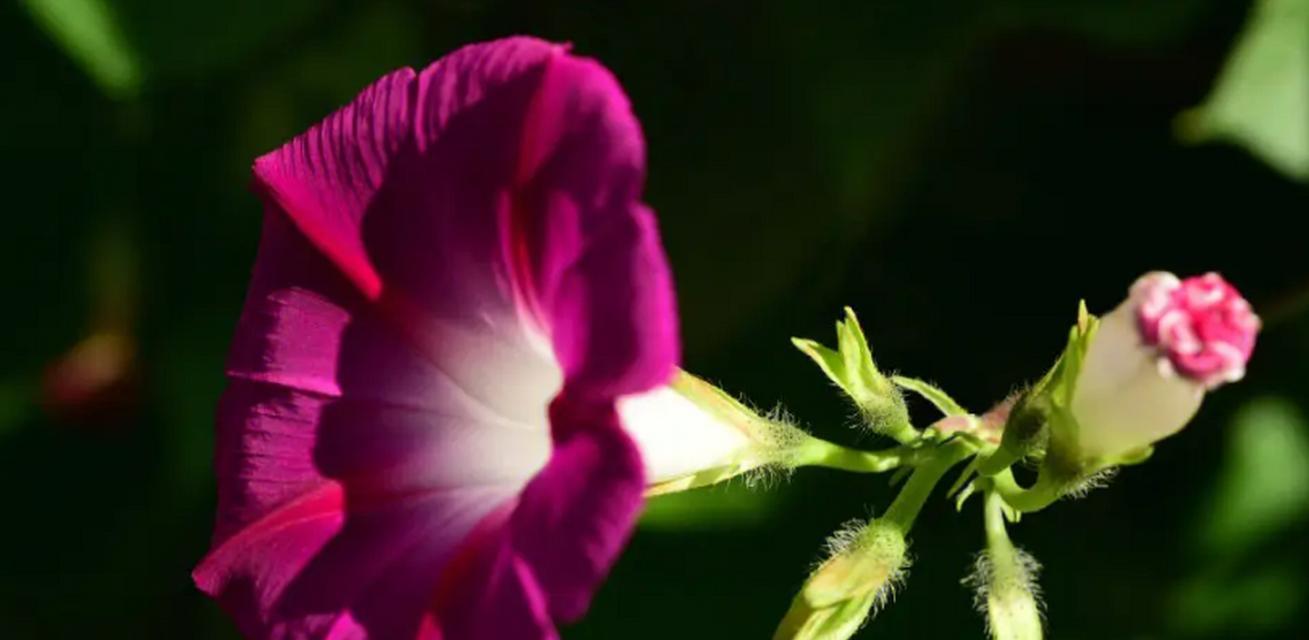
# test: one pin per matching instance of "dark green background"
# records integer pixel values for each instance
(958, 172)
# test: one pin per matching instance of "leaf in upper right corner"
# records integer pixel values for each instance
(1261, 98)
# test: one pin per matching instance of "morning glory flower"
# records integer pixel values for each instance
(1152, 359)
(457, 292)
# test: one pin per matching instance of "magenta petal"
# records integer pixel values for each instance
(322, 389)
(320, 568)
(440, 259)
(598, 268)
(589, 494)
(495, 595)
(247, 573)
(598, 275)
(350, 469)
(571, 522)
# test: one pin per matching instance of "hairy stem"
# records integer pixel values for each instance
(997, 537)
(1006, 581)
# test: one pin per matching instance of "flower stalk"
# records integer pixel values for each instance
(904, 509)
(821, 453)
(1044, 492)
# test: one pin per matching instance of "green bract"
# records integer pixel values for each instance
(851, 367)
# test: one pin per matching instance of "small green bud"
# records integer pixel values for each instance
(1004, 582)
(1007, 594)
(861, 573)
(851, 367)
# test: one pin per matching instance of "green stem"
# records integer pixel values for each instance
(918, 488)
(999, 461)
(997, 537)
(1012, 608)
(1034, 498)
(821, 453)
(899, 429)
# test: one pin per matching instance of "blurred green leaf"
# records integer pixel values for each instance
(1263, 490)
(90, 33)
(1118, 22)
(721, 507)
(123, 44)
(201, 37)
(1264, 484)
(15, 403)
(1261, 98)
(1253, 603)
(189, 364)
(326, 73)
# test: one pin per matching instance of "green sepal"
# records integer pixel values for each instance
(964, 478)
(1056, 390)
(803, 621)
(1042, 427)
(1064, 380)
(1134, 457)
(1042, 418)
(933, 394)
(965, 493)
(850, 366)
(1063, 457)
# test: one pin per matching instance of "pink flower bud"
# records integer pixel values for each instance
(1201, 325)
(1152, 359)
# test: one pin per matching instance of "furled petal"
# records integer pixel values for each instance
(456, 281)
(665, 425)
(1122, 402)
(1201, 324)
(693, 434)
(1154, 357)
